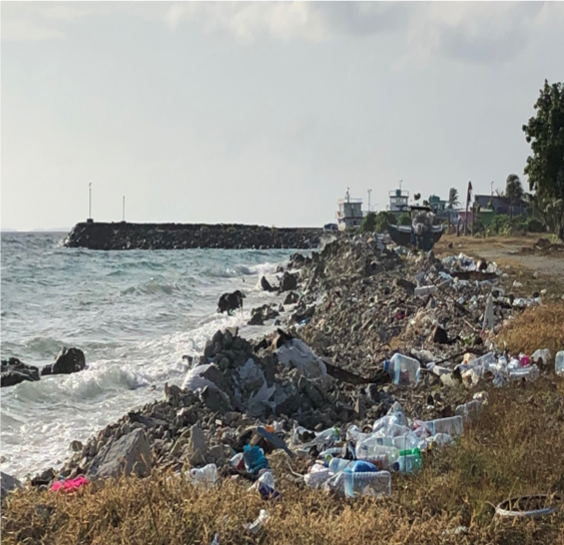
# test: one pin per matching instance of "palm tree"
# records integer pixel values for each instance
(513, 190)
(453, 198)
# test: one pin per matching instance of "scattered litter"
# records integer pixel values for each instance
(528, 506)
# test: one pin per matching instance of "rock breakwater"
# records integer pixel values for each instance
(173, 236)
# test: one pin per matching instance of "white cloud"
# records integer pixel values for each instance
(478, 32)
(17, 30)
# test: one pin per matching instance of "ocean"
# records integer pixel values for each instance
(134, 314)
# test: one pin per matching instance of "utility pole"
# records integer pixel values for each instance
(369, 191)
(123, 210)
(90, 201)
(492, 184)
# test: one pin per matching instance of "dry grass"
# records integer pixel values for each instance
(537, 327)
(515, 448)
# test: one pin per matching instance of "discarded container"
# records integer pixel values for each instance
(338, 464)
(453, 425)
(410, 460)
(255, 459)
(259, 523)
(403, 369)
(488, 324)
(440, 439)
(205, 476)
(559, 363)
(542, 354)
(355, 434)
(530, 373)
(424, 290)
(380, 455)
(317, 476)
(469, 411)
(363, 479)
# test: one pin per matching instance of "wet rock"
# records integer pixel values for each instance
(76, 446)
(292, 298)
(229, 302)
(129, 454)
(262, 314)
(288, 282)
(45, 478)
(265, 284)
(68, 361)
(8, 483)
(14, 371)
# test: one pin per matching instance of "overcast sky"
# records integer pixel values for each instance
(262, 112)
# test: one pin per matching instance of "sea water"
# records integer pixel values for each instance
(134, 313)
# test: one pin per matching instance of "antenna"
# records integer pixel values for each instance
(123, 210)
(369, 191)
(400, 182)
(90, 200)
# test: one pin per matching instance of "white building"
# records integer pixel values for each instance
(349, 213)
(398, 201)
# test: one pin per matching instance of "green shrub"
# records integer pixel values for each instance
(534, 225)
(405, 219)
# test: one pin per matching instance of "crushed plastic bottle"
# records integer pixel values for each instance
(440, 439)
(559, 363)
(318, 475)
(422, 291)
(530, 373)
(338, 464)
(403, 369)
(355, 434)
(205, 476)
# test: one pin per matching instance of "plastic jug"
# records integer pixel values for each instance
(205, 476)
(363, 479)
(469, 411)
(559, 363)
(338, 464)
(403, 369)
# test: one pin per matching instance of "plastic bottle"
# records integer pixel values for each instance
(338, 464)
(559, 363)
(403, 369)
(364, 479)
(205, 476)
(453, 425)
(469, 411)
(380, 455)
(530, 373)
(255, 459)
(543, 354)
(355, 434)
(259, 523)
(440, 439)
(410, 460)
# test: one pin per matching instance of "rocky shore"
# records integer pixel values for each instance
(176, 236)
(352, 306)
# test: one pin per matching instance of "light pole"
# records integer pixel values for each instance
(90, 200)
(123, 210)
(369, 191)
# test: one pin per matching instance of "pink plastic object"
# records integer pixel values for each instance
(69, 485)
(524, 360)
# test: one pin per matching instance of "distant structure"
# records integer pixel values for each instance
(501, 205)
(438, 206)
(349, 213)
(399, 201)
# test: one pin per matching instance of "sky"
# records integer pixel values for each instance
(262, 112)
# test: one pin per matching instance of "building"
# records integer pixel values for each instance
(349, 213)
(501, 205)
(399, 201)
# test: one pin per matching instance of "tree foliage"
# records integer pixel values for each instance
(453, 201)
(377, 222)
(404, 219)
(545, 167)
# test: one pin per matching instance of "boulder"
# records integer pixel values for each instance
(129, 454)
(288, 282)
(292, 298)
(197, 447)
(229, 302)
(14, 371)
(8, 483)
(68, 361)
(265, 284)
(261, 314)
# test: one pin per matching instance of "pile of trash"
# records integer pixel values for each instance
(383, 357)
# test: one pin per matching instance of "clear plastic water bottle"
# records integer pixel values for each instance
(469, 411)
(453, 425)
(542, 354)
(355, 434)
(363, 479)
(530, 373)
(205, 476)
(403, 369)
(380, 455)
(559, 363)
(338, 464)
(410, 460)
